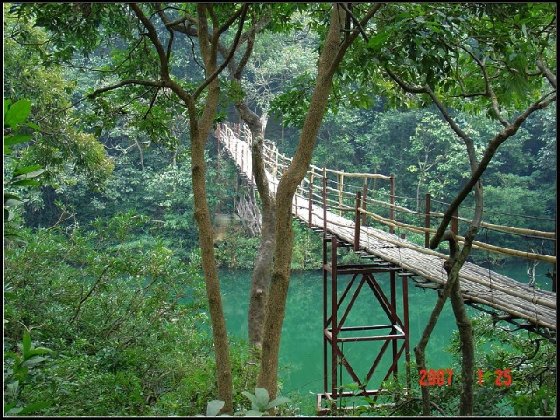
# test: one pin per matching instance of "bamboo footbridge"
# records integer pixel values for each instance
(325, 195)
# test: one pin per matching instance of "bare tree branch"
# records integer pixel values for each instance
(155, 83)
(548, 74)
(222, 66)
(493, 145)
(489, 91)
(152, 34)
(355, 20)
(351, 37)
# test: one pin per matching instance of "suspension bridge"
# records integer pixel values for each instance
(336, 203)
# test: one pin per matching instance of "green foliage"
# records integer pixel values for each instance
(124, 319)
(17, 376)
(16, 115)
(64, 145)
(260, 404)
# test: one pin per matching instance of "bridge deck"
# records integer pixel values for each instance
(514, 299)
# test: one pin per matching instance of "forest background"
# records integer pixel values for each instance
(103, 267)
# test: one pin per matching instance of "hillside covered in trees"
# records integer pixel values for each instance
(123, 214)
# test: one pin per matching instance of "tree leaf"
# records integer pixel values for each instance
(214, 407)
(33, 361)
(378, 39)
(15, 410)
(29, 175)
(8, 195)
(251, 398)
(17, 113)
(26, 182)
(262, 398)
(39, 350)
(27, 169)
(26, 344)
(11, 202)
(12, 388)
(36, 406)
(16, 139)
(253, 413)
(32, 125)
(277, 401)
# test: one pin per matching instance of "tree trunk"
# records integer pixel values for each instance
(467, 348)
(199, 130)
(276, 305)
(206, 238)
(260, 281)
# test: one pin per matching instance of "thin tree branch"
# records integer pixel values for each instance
(489, 91)
(245, 59)
(351, 37)
(86, 297)
(153, 100)
(355, 20)
(163, 17)
(546, 71)
(152, 34)
(215, 30)
(155, 83)
(493, 145)
(231, 19)
(445, 113)
(469, 95)
(222, 66)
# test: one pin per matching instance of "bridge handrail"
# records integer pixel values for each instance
(274, 160)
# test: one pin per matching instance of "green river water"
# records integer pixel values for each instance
(301, 354)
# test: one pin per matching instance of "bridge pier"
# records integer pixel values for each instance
(336, 333)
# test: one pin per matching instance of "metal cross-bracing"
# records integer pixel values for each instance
(321, 202)
(394, 332)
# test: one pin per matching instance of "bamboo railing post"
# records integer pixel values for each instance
(364, 200)
(392, 200)
(427, 210)
(311, 196)
(455, 222)
(357, 222)
(340, 187)
(275, 169)
(324, 203)
(553, 275)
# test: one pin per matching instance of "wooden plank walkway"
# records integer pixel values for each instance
(509, 297)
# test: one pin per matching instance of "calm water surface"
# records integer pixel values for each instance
(301, 350)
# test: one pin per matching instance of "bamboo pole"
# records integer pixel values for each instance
(427, 221)
(392, 199)
(357, 218)
(364, 201)
(340, 187)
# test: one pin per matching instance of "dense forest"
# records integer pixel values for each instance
(122, 211)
